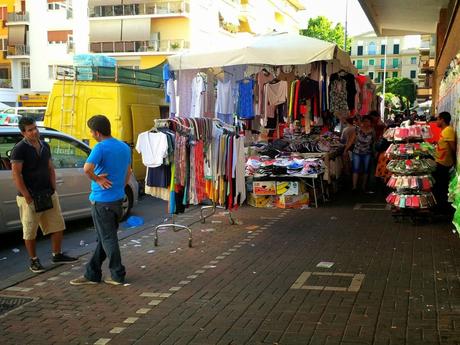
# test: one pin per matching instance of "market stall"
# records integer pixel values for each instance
(275, 87)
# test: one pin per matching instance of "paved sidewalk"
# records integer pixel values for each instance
(257, 282)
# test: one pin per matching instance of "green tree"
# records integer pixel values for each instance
(404, 88)
(322, 28)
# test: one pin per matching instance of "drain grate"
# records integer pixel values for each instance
(372, 207)
(10, 303)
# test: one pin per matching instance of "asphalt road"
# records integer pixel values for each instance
(79, 238)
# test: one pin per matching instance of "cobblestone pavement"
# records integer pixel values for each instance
(257, 282)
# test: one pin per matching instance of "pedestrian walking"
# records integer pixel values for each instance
(37, 199)
(108, 168)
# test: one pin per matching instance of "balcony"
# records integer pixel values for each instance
(18, 18)
(167, 9)
(162, 46)
(6, 84)
(18, 51)
(424, 92)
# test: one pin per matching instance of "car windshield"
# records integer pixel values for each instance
(37, 114)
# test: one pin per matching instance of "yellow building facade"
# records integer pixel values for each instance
(6, 6)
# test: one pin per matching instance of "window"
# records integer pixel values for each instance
(394, 75)
(413, 74)
(371, 75)
(396, 49)
(386, 75)
(395, 63)
(379, 77)
(3, 13)
(7, 143)
(359, 64)
(382, 49)
(371, 62)
(360, 51)
(382, 63)
(354, 62)
(59, 36)
(372, 49)
(52, 6)
(25, 75)
(413, 60)
(51, 71)
(66, 154)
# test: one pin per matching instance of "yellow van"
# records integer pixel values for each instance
(130, 108)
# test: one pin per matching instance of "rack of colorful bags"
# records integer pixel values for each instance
(411, 166)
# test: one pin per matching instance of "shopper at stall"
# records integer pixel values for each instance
(445, 160)
(361, 144)
(108, 168)
(350, 128)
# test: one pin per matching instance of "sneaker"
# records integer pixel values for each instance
(112, 282)
(60, 258)
(36, 266)
(82, 281)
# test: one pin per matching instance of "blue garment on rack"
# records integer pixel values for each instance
(245, 100)
(166, 76)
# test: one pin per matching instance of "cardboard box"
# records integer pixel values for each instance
(292, 201)
(264, 187)
(261, 201)
(287, 188)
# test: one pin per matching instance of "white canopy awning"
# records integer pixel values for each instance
(275, 49)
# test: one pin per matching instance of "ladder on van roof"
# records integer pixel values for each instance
(68, 75)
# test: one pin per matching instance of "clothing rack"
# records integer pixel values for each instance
(178, 227)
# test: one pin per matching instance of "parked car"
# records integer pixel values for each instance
(38, 113)
(73, 187)
(8, 118)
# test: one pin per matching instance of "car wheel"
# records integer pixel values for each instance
(127, 203)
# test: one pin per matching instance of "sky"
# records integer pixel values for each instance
(334, 10)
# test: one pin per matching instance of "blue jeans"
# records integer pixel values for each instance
(361, 162)
(105, 218)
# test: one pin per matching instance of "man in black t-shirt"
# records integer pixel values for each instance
(34, 177)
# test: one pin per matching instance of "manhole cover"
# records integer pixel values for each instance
(372, 207)
(9, 303)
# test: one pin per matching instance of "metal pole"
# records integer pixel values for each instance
(346, 26)
(382, 105)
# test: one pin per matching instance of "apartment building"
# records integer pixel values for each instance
(7, 10)
(426, 65)
(142, 33)
(39, 35)
(402, 56)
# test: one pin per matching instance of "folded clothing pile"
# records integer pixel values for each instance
(415, 149)
(261, 166)
(416, 201)
(412, 166)
(421, 183)
(410, 132)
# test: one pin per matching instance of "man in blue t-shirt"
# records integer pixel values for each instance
(108, 168)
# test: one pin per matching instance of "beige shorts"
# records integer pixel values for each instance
(50, 220)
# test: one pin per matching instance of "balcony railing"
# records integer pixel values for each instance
(164, 46)
(18, 17)
(142, 8)
(6, 84)
(18, 50)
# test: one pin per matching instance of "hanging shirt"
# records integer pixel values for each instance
(245, 99)
(275, 94)
(444, 155)
(153, 147)
(197, 102)
(166, 73)
(262, 79)
(171, 92)
(184, 82)
(224, 104)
